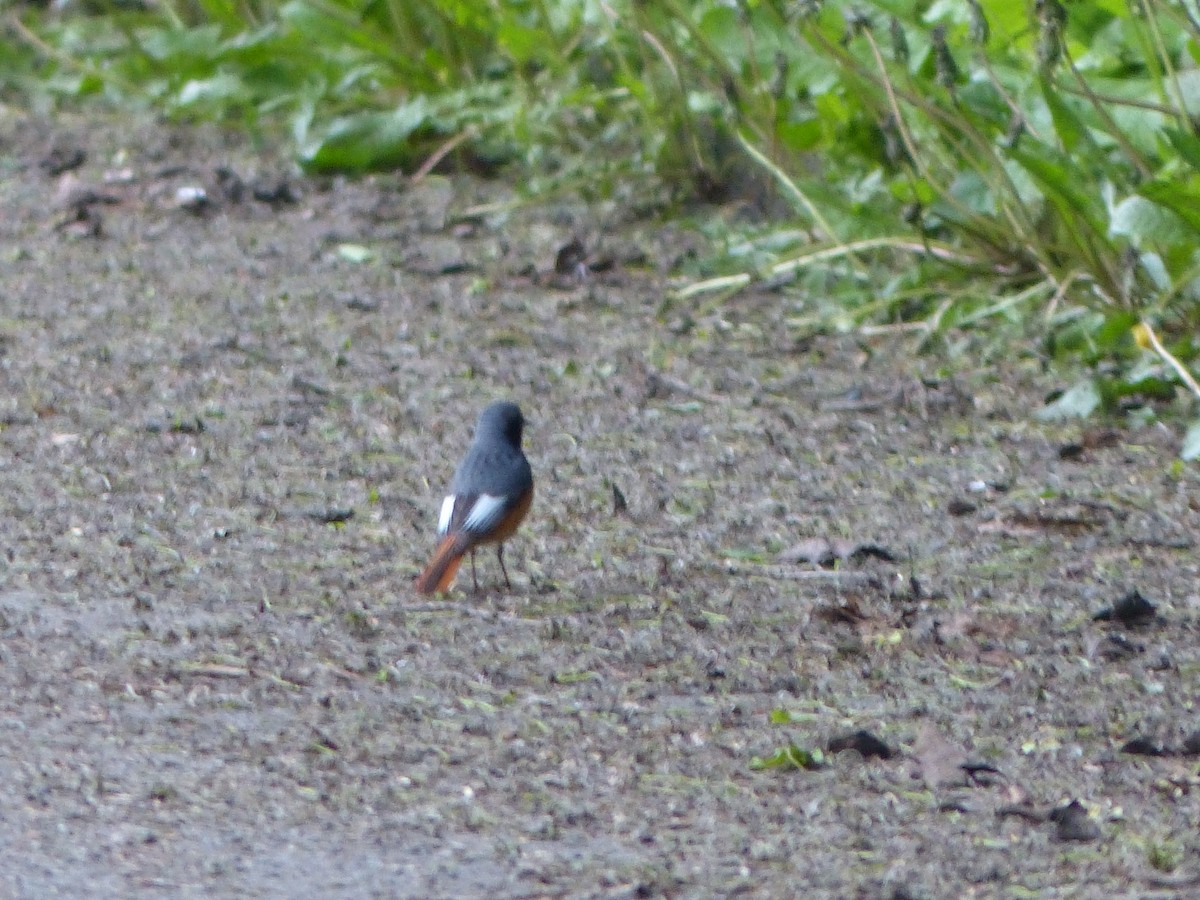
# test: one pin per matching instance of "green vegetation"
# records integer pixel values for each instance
(946, 168)
(1164, 856)
(789, 757)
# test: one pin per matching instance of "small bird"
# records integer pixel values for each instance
(490, 494)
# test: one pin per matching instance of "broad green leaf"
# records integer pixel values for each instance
(800, 135)
(1183, 201)
(911, 189)
(367, 141)
(1144, 222)
(1116, 330)
(1151, 387)
(224, 12)
(330, 25)
(1153, 265)
(1026, 187)
(1140, 127)
(1090, 17)
(217, 89)
(74, 84)
(971, 191)
(1007, 20)
(522, 44)
(720, 26)
(257, 44)
(946, 11)
(1186, 145)
(179, 47)
(1093, 335)
(1188, 81)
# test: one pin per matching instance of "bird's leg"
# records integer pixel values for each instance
(474, 577)
(500, 556)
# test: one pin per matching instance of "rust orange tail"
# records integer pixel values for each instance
(439, 574)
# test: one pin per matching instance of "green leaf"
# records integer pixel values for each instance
(1182, 199)
(804, 134)
(223, 12)
(788, 758)
(74, 84)
(1145, 222)
(1076, 335)
(1067, 125)
(180, 47)
(328, 24)
(1115, 332)
(971, 190)
(1186, 145)
(1079, 402)
(216, 90)
(1007, 20)
(1059, 180)
(1150, 387)
(522, 44)
(367, 141)
(721, 27)
(1156, 268)
(1188, 82)
(1089, 18)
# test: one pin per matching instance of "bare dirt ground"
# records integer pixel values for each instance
(225, 436)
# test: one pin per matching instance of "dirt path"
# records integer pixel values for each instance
(210, 688)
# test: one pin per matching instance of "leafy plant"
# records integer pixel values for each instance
(952, 163)
(361, 84)
(940, 167)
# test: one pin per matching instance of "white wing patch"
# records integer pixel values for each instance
(446, 513)
(485, 514)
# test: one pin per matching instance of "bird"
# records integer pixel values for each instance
(489, 496)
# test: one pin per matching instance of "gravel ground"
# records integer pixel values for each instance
(226, 431)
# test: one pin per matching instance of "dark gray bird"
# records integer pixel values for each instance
(490, 495)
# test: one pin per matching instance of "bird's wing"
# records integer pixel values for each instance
(476, 513)
(447, 514)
